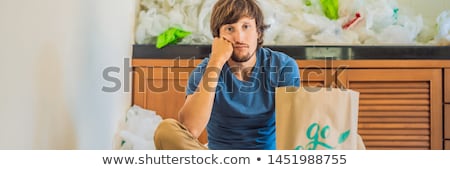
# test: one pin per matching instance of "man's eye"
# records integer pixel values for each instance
(230, 29)
(246, 26)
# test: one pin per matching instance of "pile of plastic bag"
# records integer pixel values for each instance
(443, 35)
(139, 129)
(299, 22)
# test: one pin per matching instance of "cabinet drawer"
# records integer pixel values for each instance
(447, 86)
(447, 121)
(447, 145)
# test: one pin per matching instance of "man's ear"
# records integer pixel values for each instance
(259, 35)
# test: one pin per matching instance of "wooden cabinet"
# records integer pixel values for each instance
(315, 77)
(447, 145)
(401, 102)
(398, 108)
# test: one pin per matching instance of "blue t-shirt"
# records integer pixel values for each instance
(243, 113)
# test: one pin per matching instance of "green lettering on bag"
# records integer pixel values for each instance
(314, 133)
(343, 137)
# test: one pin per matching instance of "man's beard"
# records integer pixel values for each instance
(242, 59)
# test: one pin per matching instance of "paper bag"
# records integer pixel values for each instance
(311, 118)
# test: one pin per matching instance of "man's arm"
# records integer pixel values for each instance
(289, 74)
(196, 111)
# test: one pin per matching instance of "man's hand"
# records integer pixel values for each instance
(221, 51)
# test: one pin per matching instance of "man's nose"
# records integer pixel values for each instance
(238, 36)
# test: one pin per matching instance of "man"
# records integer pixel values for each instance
(231, 93)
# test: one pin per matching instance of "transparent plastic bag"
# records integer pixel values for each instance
(139, 129)
(330, 8)
(293, 22)
(379, 14)
(291, 36)
(404, 31)
(443, 34)
(277, 17)
(160, 15)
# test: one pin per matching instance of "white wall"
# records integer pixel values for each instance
(52, 57)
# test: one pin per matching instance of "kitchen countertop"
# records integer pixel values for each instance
(310, 52)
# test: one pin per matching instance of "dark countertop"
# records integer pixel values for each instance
(305, 52)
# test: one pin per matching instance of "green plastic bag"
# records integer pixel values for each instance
(330, 8)
(308, 2)
(171, 36)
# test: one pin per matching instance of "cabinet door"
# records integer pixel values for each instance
(447, 86)
(447, 121)
(162, 89)
(398, 108)
(317, 77)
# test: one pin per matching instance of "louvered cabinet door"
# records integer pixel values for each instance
(399, 108)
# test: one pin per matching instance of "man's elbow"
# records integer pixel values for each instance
(190, 127)
(195, 133)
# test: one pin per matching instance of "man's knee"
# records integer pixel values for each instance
(171, 134)
(165, 130)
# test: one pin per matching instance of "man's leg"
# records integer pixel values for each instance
(172, 135)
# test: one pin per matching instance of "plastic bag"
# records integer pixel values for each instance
(443, 34)
(150, 25)
(348, 8)
(203, 23)
(335, 35)
(291, 36)
(139, 129)
(293, 22)
(171, 36)
(330, 8)
(159, 15)
(380, 14)
(278, 17)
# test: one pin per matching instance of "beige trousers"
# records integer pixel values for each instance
(172, 135)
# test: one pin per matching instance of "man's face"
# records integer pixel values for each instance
(244, 36)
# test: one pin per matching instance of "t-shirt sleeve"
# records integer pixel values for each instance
(195, 77)
(289, 73)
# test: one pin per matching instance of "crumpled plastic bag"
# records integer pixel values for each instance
(335, 35)
(383, 22)
(330, 8)
(311, 7)
(139, 129)
(171, 36)
(156, 16)
(379, 13)
(395, 26)
(294, 36)
(150, 24)
(443, 34)
(279, 18)
(293, 22)
(198, 16)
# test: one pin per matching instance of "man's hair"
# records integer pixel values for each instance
(230, 11)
